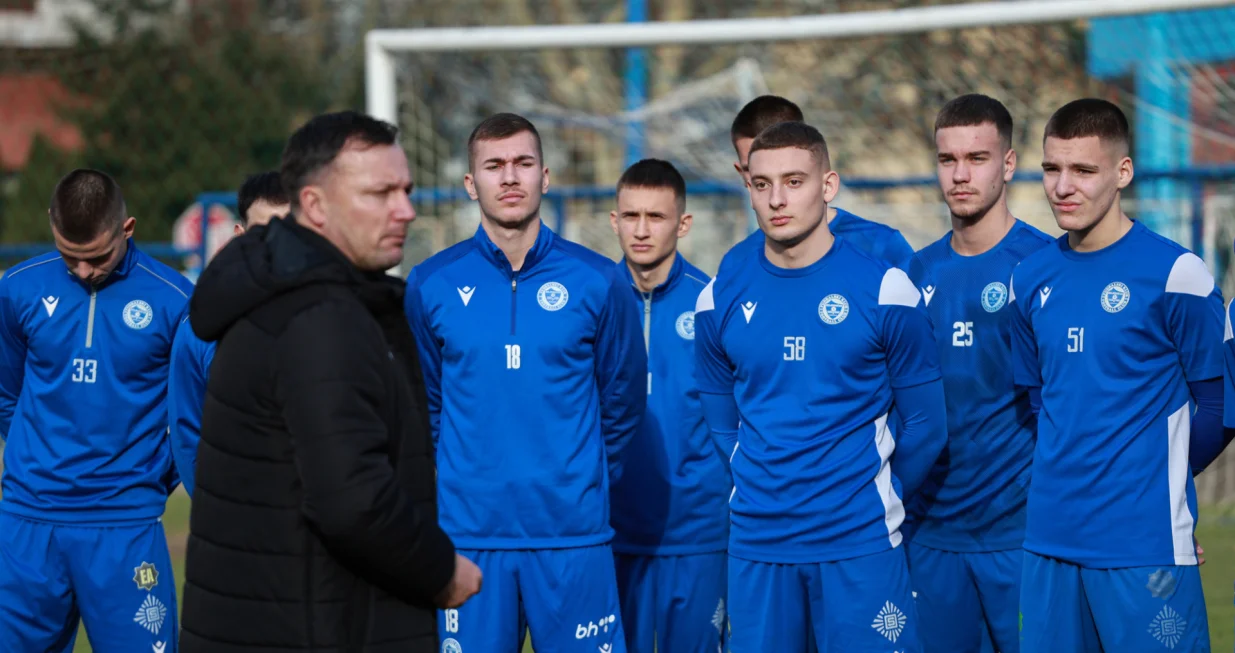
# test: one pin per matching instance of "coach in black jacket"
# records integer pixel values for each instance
(314, 522)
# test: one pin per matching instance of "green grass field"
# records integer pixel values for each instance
(1216, 534)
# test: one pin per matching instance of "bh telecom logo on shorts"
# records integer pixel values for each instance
(593, 629)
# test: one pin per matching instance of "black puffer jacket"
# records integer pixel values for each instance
(314, 521)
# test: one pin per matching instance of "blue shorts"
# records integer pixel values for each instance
(673, 603)
(567, 598)
(1071, 608)
(115, 579)
(967, 601)
(848, 606)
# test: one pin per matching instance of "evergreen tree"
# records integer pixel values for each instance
(170, 106)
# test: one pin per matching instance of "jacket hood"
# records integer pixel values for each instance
(267, 261)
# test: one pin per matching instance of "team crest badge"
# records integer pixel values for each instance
(146, 576)
(994, 296)
(686, 325)
(833, 309)
(552, 296)
(138, 314)
(1115, 297)
(451, 645)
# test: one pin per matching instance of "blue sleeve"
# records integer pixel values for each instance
(916, 380)
(714, 376)
(186, 394)
(720, 413)
(1194, 318)
(896, 250)
(713, 373)
(1208, 437)
(906, 337)
(621, 372)
(428, 348)
(12, 357)
(1035, 400)
(1025, 369)
(924, 433)
(1228, 374)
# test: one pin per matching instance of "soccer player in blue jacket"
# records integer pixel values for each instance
(260, 199)
(670, 518)
(804, 350)
(1119, 328)
(879, 240)
(87, 332)
(536, 375)
(969, 519)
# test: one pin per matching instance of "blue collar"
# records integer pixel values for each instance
(675, 274)
(495, 255)
(126, 265)
(128, 262)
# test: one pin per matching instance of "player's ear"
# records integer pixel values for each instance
(1125, 172)
(237, 229)
(1009, 165)
(313, 205)
(469, 182)
(130, 226)
(831, 186)
(684, 224)
(613, 219)
(544, 180)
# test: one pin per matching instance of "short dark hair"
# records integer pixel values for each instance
(793, 134)
(315, 145)
(761, 113)
(85, 204)
(264, 186)
(975, 109)
(655, 173)
(1089, 117)
(499, 126)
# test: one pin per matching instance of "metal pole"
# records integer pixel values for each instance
(635, 83)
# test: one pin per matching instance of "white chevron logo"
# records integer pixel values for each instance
(159, 646)
(465, 293)
(927, 293)
(748, 309)
(50, 304)
(1043, 294)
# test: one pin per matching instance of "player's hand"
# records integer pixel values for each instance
(463, 585)
(1199, 552)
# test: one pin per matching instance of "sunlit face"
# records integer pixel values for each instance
(1082, 178)
(508, 179)
(742, 165)
(261, 212)
(93, 261)
(790, 190)
(361, 204)
(648, 222)
(973, 168)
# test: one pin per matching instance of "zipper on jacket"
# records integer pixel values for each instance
(514, 286)
(90, 319)
(647, 333)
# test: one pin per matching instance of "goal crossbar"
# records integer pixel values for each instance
(382, 102)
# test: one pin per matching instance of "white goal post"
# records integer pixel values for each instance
(380, 75)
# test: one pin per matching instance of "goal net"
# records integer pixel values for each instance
(868, 73)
